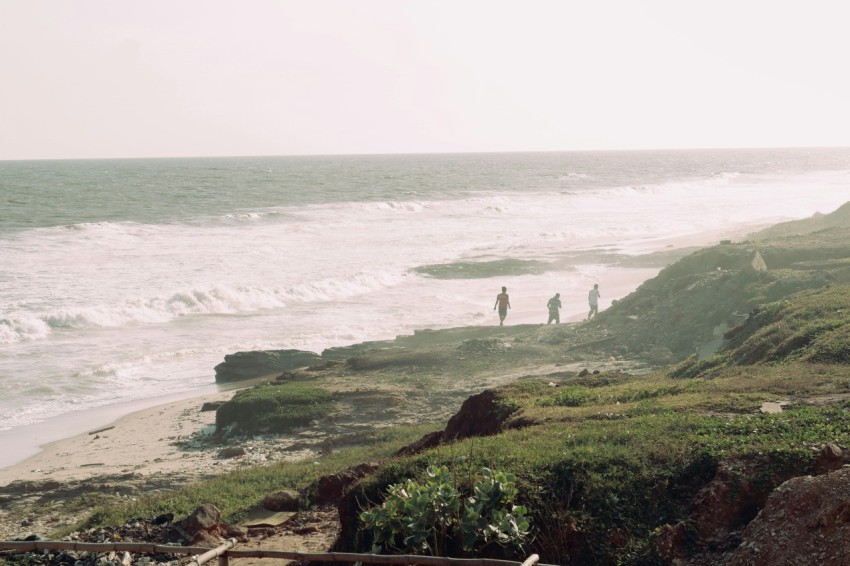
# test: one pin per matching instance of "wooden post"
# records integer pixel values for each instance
(214, 553)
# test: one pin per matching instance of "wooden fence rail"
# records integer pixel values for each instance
(225, 551)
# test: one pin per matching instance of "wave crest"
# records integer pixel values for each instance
(212, 300)
(22, 327)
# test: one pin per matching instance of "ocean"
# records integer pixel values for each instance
(128, 280)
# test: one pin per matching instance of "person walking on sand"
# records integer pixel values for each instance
(593, 299)
(554, 306)
(504, 303)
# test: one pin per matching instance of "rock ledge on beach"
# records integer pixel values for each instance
(249, 365)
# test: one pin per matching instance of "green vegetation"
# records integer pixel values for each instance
(434, 518)
(237, 492)
(684, 307)
(274, 407)
(630, 467)
(483, 269)
(628, 459)
(810, 326)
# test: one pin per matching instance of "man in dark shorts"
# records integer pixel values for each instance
(593, 300)
(504, 303)
(554, 306)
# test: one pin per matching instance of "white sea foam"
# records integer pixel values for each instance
(23, 326)
(211, 300)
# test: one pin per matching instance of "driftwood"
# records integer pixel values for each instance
(224, 552)
(102, 429)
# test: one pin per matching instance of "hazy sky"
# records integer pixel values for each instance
(111, 78)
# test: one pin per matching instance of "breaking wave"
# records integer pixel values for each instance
(213, 300)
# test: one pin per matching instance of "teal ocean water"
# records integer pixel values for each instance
(123, 280)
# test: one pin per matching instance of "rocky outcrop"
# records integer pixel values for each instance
(249, 365)
(480, 415)
(203, 527)
(281, 501)
(739, 513)
(806, 520)
(331, 488)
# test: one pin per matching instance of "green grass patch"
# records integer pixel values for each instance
(274, 407)
(236, 492)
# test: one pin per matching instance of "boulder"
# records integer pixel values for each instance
(203, 526)
(281, 501)
(728, 502)
(249, 365)
(479, 415)
(831, 458)
(330, 489)
(231, 452)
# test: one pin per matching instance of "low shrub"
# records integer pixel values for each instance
(431, 517)
(275, 407)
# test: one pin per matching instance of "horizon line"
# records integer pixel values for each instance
(423, 153)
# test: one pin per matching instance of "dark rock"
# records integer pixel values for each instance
(203, 526)
(806, 520)
(430, 440)
(249, 365)
(831, 458)
(211, 406)
(281, 501)
(480, 415)
(231, 452)
(343, 352)
(727, 502)
(238, 532)
(583, 372)
(330, 489)
(163, 519)
(207, 517)
(619, 538)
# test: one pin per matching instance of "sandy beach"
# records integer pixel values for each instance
(134, 454)
(140, 443)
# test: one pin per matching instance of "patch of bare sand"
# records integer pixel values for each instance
(136, 454)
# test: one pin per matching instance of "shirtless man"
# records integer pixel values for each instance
(504, 303)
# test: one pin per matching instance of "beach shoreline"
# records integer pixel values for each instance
(34, 447)
(23, 443)
(140, 442)
(139, 437)
(31, 452)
